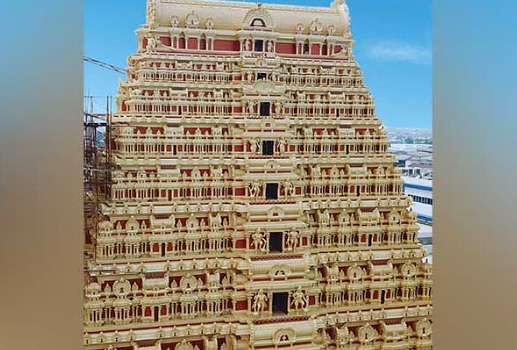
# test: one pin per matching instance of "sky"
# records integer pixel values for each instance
(393, 46)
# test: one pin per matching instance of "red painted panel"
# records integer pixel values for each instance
(288, 48)
(192, 43)
(239, 191)
(241, 243)
(166, 40)
(241, 305)
(226, 45)
(315, 49)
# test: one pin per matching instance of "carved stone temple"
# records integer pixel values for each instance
(254, 204)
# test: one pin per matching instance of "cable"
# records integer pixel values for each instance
(104, 65)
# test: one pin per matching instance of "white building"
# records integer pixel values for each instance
(421, 191)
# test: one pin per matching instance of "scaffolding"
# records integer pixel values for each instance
(97, 164)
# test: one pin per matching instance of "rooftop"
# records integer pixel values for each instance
(279, 17)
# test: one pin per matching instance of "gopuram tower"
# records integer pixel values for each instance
(254, 204)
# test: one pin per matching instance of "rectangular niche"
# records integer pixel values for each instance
(265, 109)
(272, 191)
(268, 148)
(276, 242)
(280, 301)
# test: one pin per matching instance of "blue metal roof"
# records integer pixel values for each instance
(418, 187)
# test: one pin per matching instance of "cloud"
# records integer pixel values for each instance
(401, 51)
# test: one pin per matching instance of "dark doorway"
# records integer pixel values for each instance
(259, 45)
(164, 249)
(370, 240)
(265, 109)
(275, 242)
(271, 191)
(280, 303)
(383, 296)
(268, 148)
(261, 76)
(156, 313)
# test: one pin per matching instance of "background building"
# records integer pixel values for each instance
(250, 201)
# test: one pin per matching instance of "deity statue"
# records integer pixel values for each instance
(270, 46)
(251, 107)
(259, 302)
(215, 221)
(292, 239)
(288, 188)
(254, 188)
(152, 44)
(278, 107)
(259, 240)
(282, 145)
(247, 45)
(253, 145)
(211, 344)
(324, 218)
(300, 300)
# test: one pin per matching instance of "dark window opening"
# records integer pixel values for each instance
(156, 313)
(383, 296)
(370, 240)
(259, 45)
(271, 191)
(337, 113)
(268, 148)
(265, 108)
(280, 303)
(261, 76)
(275, 242)
(305, 49)
(164, 249)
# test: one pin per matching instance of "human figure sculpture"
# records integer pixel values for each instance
(324, 218)
(253, 188)
(259, 302)
(300, 299)
(211, 343)
(270, 46)
(259, 240)
(247, 45)
(253, 145)
(278, 107)
(288, 188)
(251, 107)
(152, 44)
(215, 221)
(292, 240)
